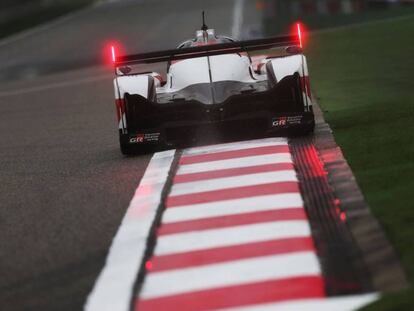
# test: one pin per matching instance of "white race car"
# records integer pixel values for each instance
(213, 84)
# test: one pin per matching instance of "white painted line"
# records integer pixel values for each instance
(55, 85)
(236, 146)
(237, 19)
(233, 182)
(338, 303)
(235, 163)
(155, 172)
(232, 207)
(236, 272)
(113, 289)
(198, 240)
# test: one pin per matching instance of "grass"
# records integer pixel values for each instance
(41, 15)
(363, 77)
(276, 25)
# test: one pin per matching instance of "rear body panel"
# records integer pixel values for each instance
(217, 96)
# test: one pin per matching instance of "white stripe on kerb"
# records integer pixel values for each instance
(236, 272)
(235, 163)
(198, 240)
(338, 303)
(113, 289)
(280, 141)
(233, 207)
(233, 182)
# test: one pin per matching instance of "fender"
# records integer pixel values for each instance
(286, 66)
(278, 68)
(143, 85)
(134, 84)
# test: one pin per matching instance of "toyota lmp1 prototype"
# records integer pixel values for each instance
(212, 84)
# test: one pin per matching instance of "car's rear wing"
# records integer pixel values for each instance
(208, 50)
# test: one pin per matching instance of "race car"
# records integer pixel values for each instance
(212, 86)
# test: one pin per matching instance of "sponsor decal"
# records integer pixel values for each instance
(281, 121)
(144, 138)
(284, 121)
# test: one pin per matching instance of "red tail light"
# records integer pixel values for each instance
(113, 54)
(299, 33)
(299, 30)
(111, 51)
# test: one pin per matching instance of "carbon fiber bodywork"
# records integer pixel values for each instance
(224, 110)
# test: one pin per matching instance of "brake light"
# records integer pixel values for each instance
(113, 54)
(299, 33)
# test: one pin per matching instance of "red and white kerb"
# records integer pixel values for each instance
(234, 234)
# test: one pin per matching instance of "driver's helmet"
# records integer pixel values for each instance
(206, 37)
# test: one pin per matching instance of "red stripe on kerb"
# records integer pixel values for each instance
(224, 155)
(239, 295)
(232, 172)
(230, 253)
(232, 220)
(233, 193)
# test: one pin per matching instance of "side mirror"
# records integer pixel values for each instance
(125, 70)
(294, 50)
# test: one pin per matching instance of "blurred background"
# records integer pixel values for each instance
(79, 42)
(279, 14)
(16, 15)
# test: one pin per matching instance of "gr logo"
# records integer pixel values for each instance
(138, 139)
(281, 121)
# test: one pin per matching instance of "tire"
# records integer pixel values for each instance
(125, 146)
(298, 102)
(303, 130)
(127, 149)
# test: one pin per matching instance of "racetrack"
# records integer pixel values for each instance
(65, 185)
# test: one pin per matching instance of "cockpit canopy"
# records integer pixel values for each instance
(206, 37)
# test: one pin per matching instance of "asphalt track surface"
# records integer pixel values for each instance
(64, 184)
